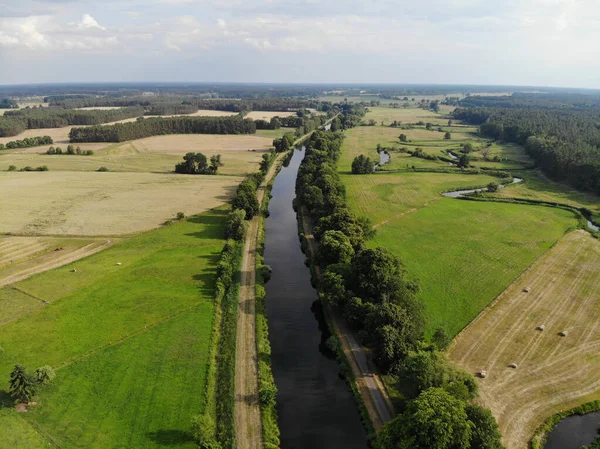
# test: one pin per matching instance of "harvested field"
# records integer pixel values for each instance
(22, 257)
(86, 204)
(268, 115)
(206, 143)
(554, 372)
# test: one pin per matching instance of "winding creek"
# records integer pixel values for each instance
(316, 408)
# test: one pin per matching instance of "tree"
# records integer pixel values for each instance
(180, 215)
(248, 202)
(403, 138)
(341, 220)
(196, 164)
(467, 148)
(450, 122)
(22, 384)
(493, 187)
(235, 228)
(464, 161)
(433, 420)
(441, 339)
(429, 126)
(362, 165)
(447, 136)
(485, 433)
(44, 375)
(486, 151)
(215, 163)
(376, 274)
(267, 394)
(334, 247)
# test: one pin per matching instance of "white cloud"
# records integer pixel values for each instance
(88, 22)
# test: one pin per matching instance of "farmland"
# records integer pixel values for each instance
(479, 248)
(129, 341)
(76, 203)
(553, 372)
(268, 115)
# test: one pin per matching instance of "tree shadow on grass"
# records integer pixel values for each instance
(6, 400)
(212, 224)
(208, 276)
(171, 437)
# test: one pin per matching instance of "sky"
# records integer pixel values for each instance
(508, 42)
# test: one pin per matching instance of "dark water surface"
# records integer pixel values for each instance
(574, 431)
(316, 408)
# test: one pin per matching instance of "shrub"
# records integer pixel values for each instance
(362, 165)
(168, 222)
(267, 394)
(180, 215)
(266, 272)
(493, 187)
(42, 168)
(12, 167)
(44, 375)
(103, 168)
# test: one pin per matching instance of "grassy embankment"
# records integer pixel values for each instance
(130, 343)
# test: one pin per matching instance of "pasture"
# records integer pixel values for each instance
(129, 342)
(554, 372)
(92, 203)
(465, 253)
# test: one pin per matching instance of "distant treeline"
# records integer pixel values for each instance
(157, 126)
(8, 103)
(572, 101)
(565, 144)
(15, 122)
(266, 104)
(27, 142)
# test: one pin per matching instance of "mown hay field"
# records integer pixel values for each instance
(554, 372)
(23, 257)
(129, 342)
(241, 154)
(87, 204)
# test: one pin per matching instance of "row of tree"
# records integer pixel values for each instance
(8, 103)
(156, 126)
(564, 144)
(15, 122)
(278, 122)
(71, 150)
(27, 142)
(197, 164)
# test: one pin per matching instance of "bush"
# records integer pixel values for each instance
(103, 168)
(266, 272)
(42, 168)
(44, 375)
(362, 165)
(12, 167)
(493, 187)
(180, 215)
(267, 394)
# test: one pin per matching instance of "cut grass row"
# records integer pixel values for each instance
(130, 342)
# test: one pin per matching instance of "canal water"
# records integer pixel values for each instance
(316, 408)
(574, 431)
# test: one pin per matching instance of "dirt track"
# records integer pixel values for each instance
(554, 372)
(247, 411)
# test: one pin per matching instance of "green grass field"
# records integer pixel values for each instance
(465, 253)
(130, 342)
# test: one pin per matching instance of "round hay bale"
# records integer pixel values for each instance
(541, 327)
(563, 334)
(513, 365)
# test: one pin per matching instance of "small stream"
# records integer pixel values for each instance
(384, 158)
(574, 431)
(459, 193)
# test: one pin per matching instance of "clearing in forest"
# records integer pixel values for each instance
(87, 204)
(268, 115)
(128, 333)
(554, 372)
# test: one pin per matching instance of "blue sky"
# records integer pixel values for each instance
(516, 42)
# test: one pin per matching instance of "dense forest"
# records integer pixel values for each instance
(157, 126)
(572, 101)
(565, 144)
(15, 122)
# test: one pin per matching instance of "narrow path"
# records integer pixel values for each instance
(248, 425)
(365, 373)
